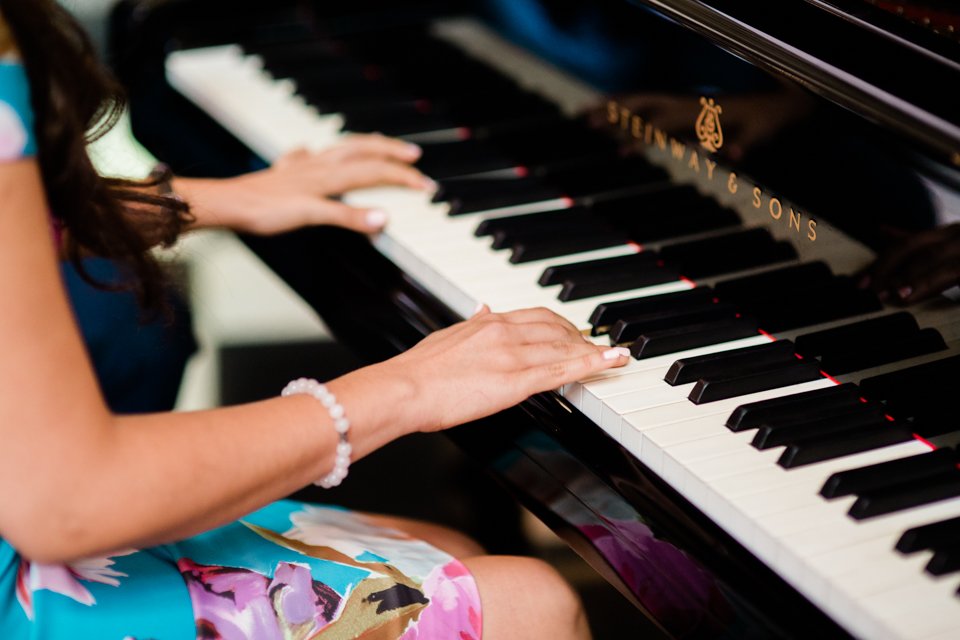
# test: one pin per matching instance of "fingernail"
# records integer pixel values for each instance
(864, 282)
(616, 352)
(377, 218)
(882, 296)
(905, 292)
(478, 308)
(428, 184)
(414, 150)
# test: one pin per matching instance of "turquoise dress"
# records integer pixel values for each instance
(287, 571)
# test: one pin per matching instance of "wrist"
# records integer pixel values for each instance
(207, 203)
(378, 402)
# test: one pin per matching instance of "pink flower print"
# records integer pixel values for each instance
(65, 579)
(454, 609)
(231, 603)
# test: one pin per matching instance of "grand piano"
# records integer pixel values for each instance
(704, 181)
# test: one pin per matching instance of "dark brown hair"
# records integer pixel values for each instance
(76, 100)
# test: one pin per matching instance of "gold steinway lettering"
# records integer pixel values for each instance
(756, 198)
(677, 149)
(636, 127)
(660, 138)
(613, 112)
(711, 165)
(732, 182)
(776, 209)
(694, 161)
(794, 219)
(811, 230)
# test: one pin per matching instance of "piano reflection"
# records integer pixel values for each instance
(759, 199)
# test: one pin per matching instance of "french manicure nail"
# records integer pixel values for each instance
(616, 352)
(429, 184)
(377, 218)
(414, 150)
(905, 292)
(478, 308)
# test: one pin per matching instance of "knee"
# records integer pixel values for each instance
(551, 591)
(527, 598)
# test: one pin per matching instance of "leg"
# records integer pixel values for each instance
(526, 599)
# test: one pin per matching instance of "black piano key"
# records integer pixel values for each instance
(838, 300)
(779, 434)
(566, 230)
(907, 495)
(557, 274)
(682, 338)
(945, 560)
(728, 362)
(542, 222)
(929, 535)
(711, 389)
(790, 278)
(607, 313)
(910, 380)
(809, 404)
(544, 248)
(879, 332)
(727, 253)
(498, 194)
(826, 448)
(613, 175)
(590, 286)
(885, 474)
(441, 160)
(629, 329)
(865, 356)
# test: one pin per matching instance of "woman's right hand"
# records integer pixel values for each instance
(488, 363)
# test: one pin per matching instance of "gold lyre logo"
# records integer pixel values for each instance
(708, 125)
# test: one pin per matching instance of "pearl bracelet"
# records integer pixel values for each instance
(319, 391)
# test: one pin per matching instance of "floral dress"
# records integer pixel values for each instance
(289, 571)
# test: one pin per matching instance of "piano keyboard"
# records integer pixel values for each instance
(749, 455)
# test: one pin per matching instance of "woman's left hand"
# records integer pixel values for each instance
(300, 189)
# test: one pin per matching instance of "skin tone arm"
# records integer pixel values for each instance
(296, 191)
(77, 481)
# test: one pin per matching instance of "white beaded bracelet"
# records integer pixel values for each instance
(319, 391)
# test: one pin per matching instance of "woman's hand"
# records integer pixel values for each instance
(300, 188)
(920, 266)
(476, 368)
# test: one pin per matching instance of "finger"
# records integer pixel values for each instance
(358, 174)
(558, 373)
(545, 353)
(543, 334)
(481, 310)
(938, 278)
(322, 211)
(893, 260)
(374, 146)
(539, 314)
(297, 155)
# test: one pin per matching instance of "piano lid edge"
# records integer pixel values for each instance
(941, 138)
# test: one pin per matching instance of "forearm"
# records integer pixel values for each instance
(144, 480)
